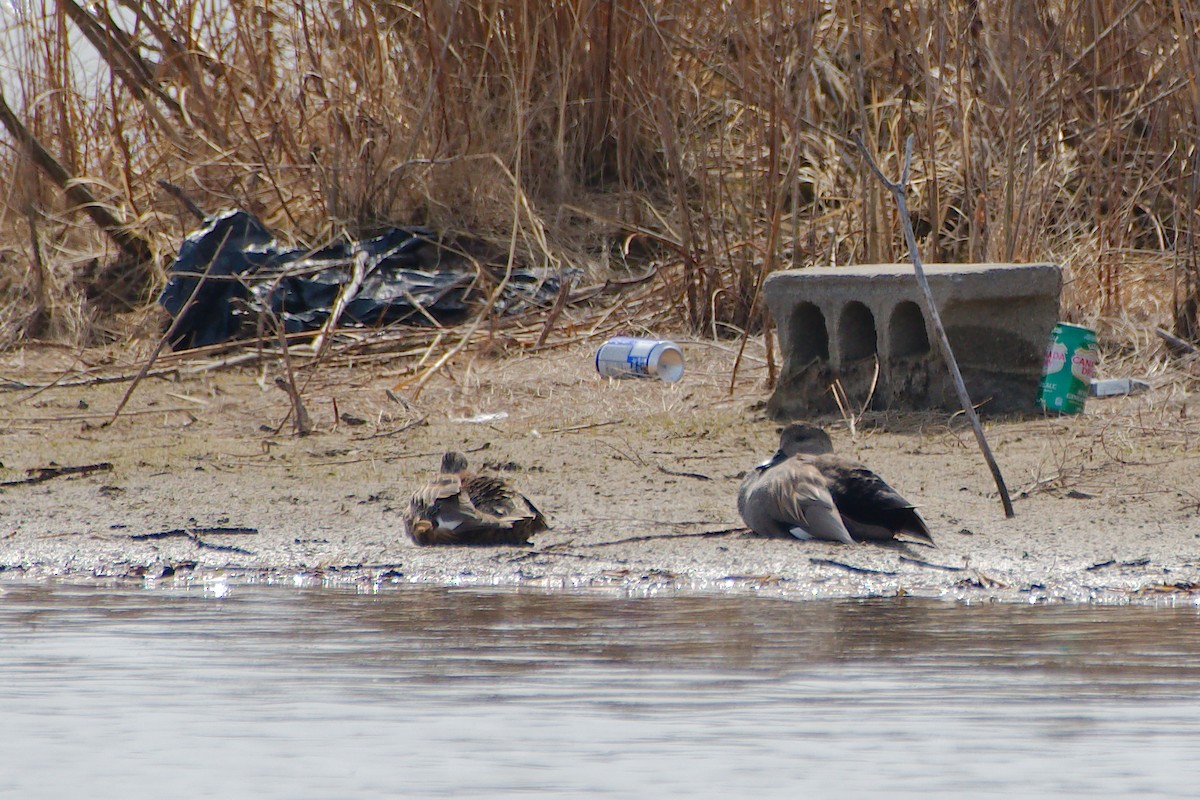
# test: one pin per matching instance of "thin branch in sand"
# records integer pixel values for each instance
(41, 474)
(655, 536)
(192, 534)
(922, 563)
(384, 434)
(589, 426)
(220, 530)
(302, 423)
(899, 190)
(829, 562)
(167, 336)
(680, 473)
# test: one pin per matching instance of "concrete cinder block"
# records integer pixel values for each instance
(836, 323)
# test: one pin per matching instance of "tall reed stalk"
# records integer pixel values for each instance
(712, 141)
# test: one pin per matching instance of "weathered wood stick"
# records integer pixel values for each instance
(899, 189)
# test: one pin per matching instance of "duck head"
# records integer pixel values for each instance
(800, 437)
(453, 463)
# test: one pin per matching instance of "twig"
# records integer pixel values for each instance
(358, 273)
(215, 531)
(652, 537)
(192, 535)
(301, 421)
(561, 554)
(589, 426)
(170, 333)
(87, 417)
(898, 190)
(560, 302)
(829, 562)
(40, 474)
(922, 563)
(698, 476)
(406, 426)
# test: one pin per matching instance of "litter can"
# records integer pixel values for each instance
(1068, 369)
(629, 357)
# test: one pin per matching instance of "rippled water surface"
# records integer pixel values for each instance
(271, 692)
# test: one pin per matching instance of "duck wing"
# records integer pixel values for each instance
(505, 516)
(871, 508)
(790, 498)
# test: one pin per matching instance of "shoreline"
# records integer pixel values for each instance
(639, 479)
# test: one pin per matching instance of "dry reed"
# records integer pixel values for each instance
(708, 142)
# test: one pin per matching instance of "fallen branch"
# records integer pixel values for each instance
(40, 474)
(899, 189)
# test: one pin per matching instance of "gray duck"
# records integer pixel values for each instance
(787, 496)
(463, 508)
(871, 509)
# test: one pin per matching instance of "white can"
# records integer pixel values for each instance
(628, 357)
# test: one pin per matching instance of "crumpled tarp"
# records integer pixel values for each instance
(241, 272)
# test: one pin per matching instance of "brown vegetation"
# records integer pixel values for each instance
(708, 142)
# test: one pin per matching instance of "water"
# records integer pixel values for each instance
(418, 692)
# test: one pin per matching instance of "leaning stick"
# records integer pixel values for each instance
(898, 190)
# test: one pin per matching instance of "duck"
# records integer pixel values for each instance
(459, 507)
(869, 509)
(787, 496)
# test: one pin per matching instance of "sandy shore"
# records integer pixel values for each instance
(208, 482)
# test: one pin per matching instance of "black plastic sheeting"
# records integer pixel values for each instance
(242, 272)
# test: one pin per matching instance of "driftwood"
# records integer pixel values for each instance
(899, 189)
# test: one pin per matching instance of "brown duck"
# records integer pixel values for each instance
(463, 508)
(869, 508)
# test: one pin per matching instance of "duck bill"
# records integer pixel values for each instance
(778, 458)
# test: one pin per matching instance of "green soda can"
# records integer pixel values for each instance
(1068, 369)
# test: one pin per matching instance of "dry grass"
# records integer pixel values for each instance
(708, 142)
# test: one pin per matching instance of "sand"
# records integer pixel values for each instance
(208, 483)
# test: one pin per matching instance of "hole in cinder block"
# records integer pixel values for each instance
(810, 339)
(856, 332)
(907, 331)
